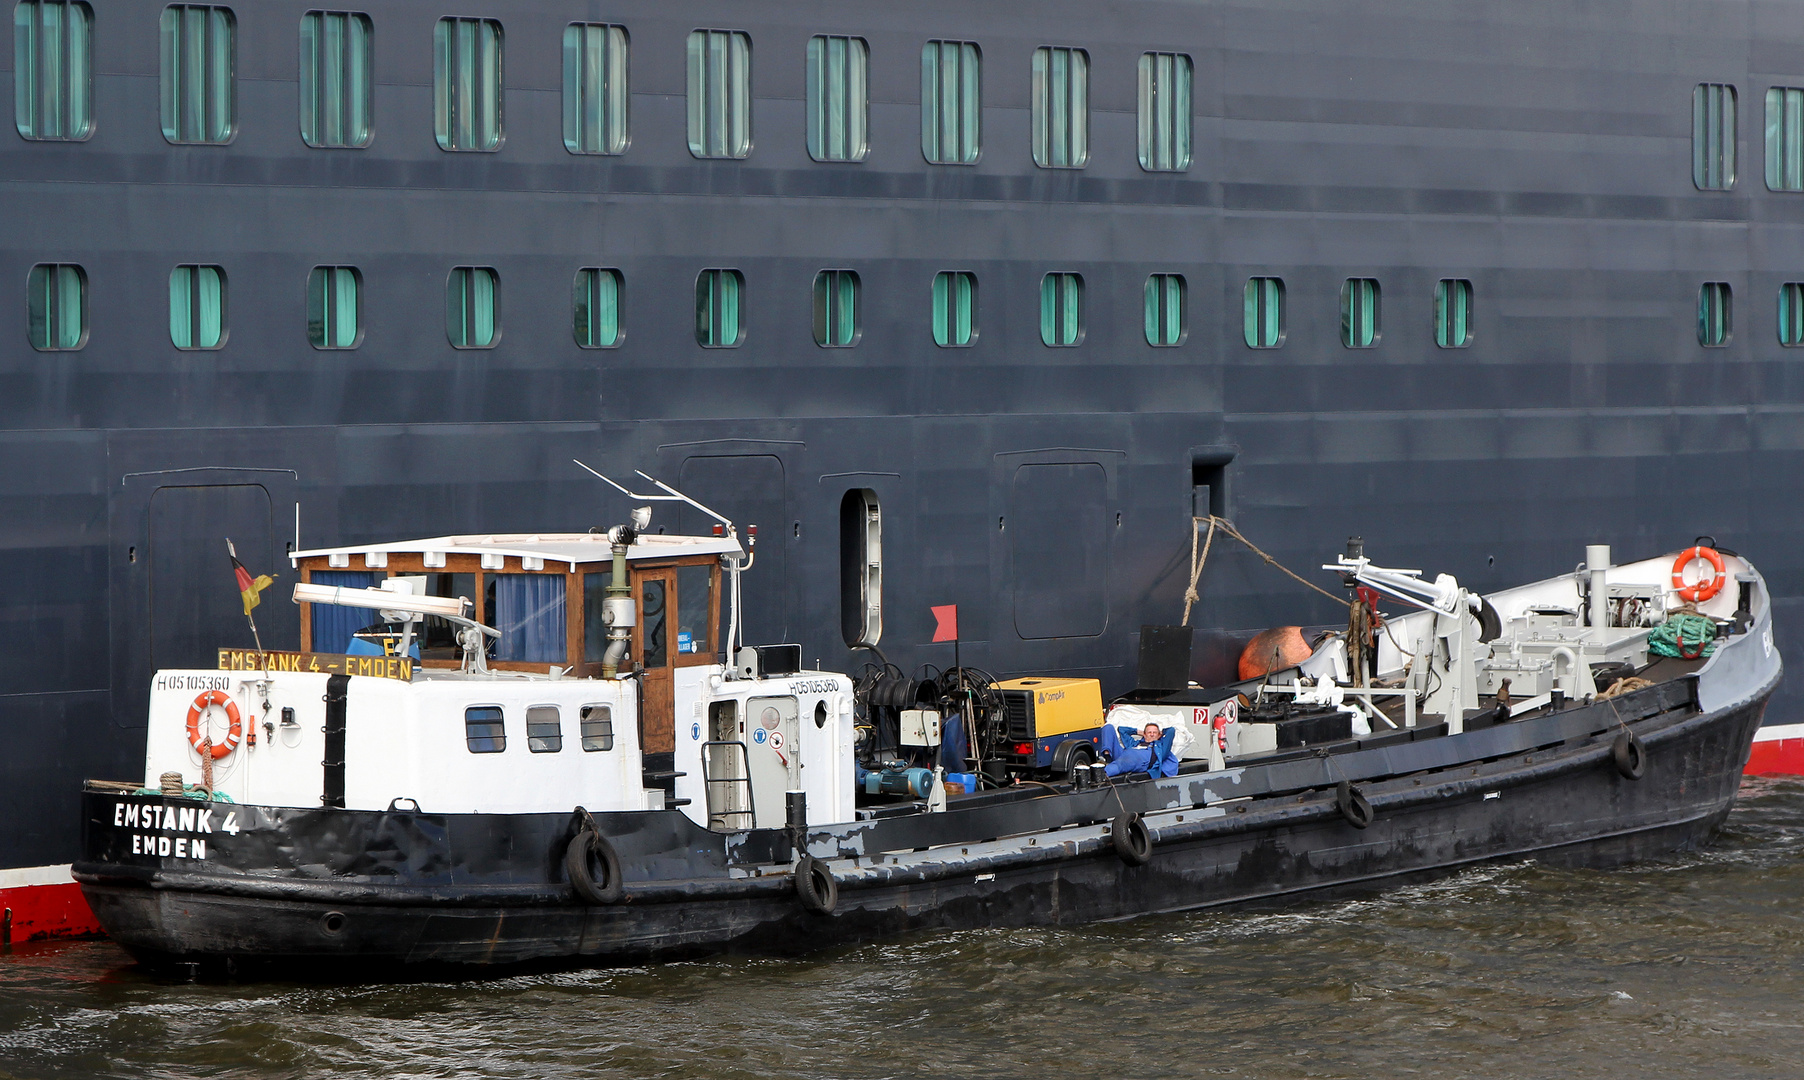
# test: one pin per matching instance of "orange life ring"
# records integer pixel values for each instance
(1706, 587)
(233, 734)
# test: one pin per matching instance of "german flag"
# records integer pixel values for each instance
(249, 586)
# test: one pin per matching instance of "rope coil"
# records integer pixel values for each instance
(1197, 562)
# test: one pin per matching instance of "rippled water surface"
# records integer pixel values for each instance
(1689, 967)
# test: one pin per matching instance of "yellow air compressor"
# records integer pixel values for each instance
(1051, 723)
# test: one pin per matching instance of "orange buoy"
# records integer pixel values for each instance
(1273, 650)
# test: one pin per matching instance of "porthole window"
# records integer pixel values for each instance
(544, 731)
(597, 727)
(482, 729)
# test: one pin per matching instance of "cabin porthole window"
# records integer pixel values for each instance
(544, 731)
(483, 732)
(597, 727)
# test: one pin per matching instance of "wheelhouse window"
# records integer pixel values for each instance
(528, 609)
(1785, 139)
(1165, 317)
(197, 299)
(1062, 309)
(1165, 112)
(335, 307)
(336, 83)
(595, 88)
(199, 99)
(597, 728)
(473, 307)
(838, 98)
(836, 308)
(1061, 108)
(53, 69)
(483, 732)
(56, 307)
(695, 606)
(954, 309)
(1262, 312)
(717, 297)
(596, 303)
(1359, 313)
(544, 729)
(951, 102)
(1713, 136)
(1791, 314)
(1715, 314)
(720, 94)
(1453, 313)
(595, 627)
(466, 86)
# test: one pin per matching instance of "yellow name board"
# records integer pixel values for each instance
(381, 667)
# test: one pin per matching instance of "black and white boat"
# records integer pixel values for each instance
(597, 772)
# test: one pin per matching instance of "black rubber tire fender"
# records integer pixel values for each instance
(1353, 805)
(1132, 840)
(1629, 755)
(815, 886)
(587, 853)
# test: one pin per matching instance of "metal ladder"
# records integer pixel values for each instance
(718, 781)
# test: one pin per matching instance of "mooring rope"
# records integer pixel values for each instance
(1196, 563)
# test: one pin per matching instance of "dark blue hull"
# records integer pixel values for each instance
(1542, 151)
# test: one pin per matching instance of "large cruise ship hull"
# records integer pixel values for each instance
(1542, 151)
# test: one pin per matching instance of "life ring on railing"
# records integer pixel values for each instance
(197, 738)
(1706, 587)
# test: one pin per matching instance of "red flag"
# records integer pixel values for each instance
(946, 628)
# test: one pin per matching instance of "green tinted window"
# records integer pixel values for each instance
(56, 307)
(594, 88)
(53, 69)
(838, 98)
(1165, 319)
(1714, 315)
(954, 308)
(951, 102)
(1791, 314)
(596, 296)
(836, 308)
(1061, 108)
(197, 307)
(1263, 314)
(720, 94)
(1453, 313)
(1785, 139)
(1359, 313)
(717, 296)
(1061, 309)
(1165, 112)
(334, 295)
(1713, 137)
(199, 100)
(472, 308)
(335, 78)
(466, 84)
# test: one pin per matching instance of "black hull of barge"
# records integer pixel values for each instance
(1567, 804)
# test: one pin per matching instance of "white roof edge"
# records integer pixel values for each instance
(552, 547)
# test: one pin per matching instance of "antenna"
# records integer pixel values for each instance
(673, 495)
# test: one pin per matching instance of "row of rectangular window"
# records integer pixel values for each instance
(57, 309)
(485, 732)
(53, 77)
(53, 96)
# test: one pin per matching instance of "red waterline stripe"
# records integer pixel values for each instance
(47, 911)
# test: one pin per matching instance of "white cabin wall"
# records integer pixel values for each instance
(283, 770)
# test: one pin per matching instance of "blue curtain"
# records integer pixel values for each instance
(529, 612)
(334, 625)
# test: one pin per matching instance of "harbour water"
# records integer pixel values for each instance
(1689, 966)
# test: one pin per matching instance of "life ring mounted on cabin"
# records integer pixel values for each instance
(235, 730)
(1705, 587)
